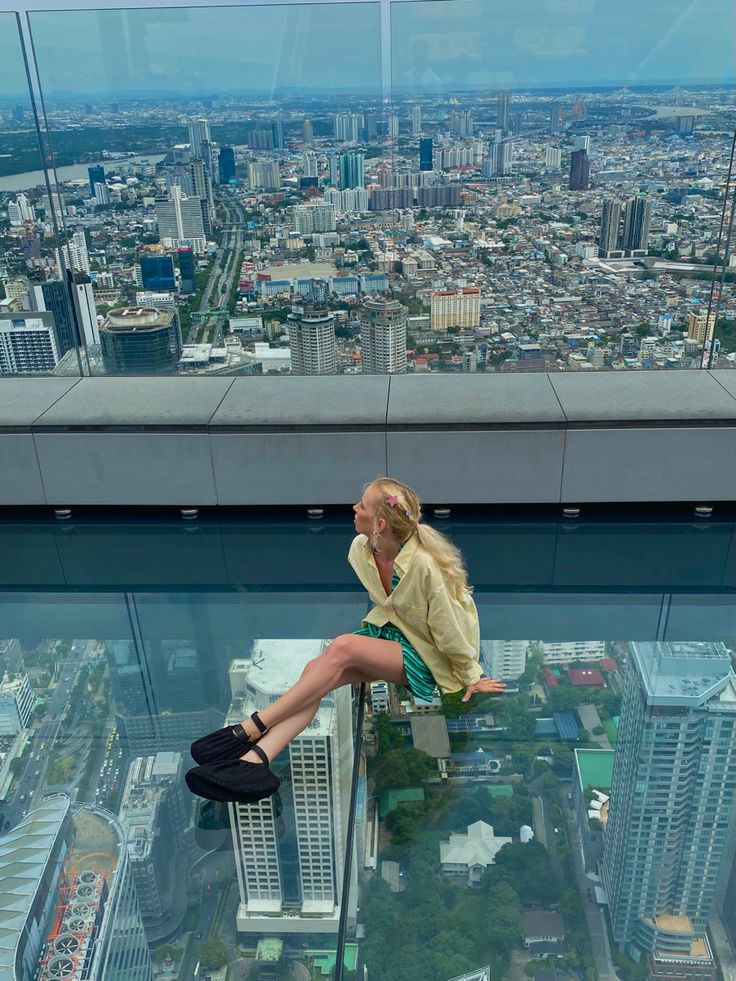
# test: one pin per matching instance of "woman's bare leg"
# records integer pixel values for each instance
(349, 659)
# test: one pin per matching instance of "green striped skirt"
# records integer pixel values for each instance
(421, 679)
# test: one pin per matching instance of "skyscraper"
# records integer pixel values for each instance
(425, 154)
(312, 340)
(157, 273)
(671, 830)
(289, 848)
(347, 126)
(309, 164)
(383, 337)
(352, 170)
(610, 222)
(500, 157)
(552, 157)
(27, 344)
(579, 170)
(180, 220)
(96, 175)
(554, 118)
(581, 143)
(187, 270)
(199, 132)
(58, 297)
(264, 175)
(140, 341)
(75, 254)
(226, 164)
(637, 216)
(308, 132)
(502, 111)
(20, 211)
(416, 120)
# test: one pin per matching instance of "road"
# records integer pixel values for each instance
(224, 269)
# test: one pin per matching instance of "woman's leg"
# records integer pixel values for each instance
(349, 659)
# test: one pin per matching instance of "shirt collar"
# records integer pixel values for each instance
(406, 552)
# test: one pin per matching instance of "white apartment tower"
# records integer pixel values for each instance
(28, 344)
(504, 659)
(75, 255)
(289, 847)
(383, 337)
(180, 221)
(312, 340)
(21, 211)
(416, 120)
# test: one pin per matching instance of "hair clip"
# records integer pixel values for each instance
(393, 501)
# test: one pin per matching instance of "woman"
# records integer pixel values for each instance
(422, 632)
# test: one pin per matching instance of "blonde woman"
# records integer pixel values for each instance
(422, 632)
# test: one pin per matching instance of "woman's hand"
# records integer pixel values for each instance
(485, 686)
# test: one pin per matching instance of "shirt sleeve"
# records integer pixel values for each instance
(446, 628)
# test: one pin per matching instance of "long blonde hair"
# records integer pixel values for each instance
(401, 509)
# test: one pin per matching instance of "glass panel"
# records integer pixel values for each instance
(33, 308)
(577, 157)
(206, 144)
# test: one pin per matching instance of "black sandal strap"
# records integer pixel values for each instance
(257, 719)
(257, 749)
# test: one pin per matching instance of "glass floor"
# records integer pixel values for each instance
(407, 839)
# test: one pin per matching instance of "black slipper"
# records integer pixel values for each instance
(229, 743)
(239, 781)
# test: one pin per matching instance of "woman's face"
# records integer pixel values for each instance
(365, 511)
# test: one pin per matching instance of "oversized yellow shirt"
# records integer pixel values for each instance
(442, 626)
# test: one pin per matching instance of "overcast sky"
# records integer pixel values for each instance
(436, 45)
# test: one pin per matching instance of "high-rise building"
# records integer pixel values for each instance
(310, 218)
(309, 164)
(502, 111)
(17, 702)
(226, 164)
(308, 132)
(59, 298)
(701, 326)
(383, 337)
(579, 170)
(393, 125)
(311, 329)
(461, 122)
(554, 118)
(608, 243)
(264, 175)
(28, 343)
(552, 157)
(500, 157)
(140, 341)
(425, 154)
(347, 127)
(504, 659)
(157, 273)
(199, 133)
(102, 195)
(75, 254)
(260, 138)
(455, 308)
(20, 211)
(581, 143)
(180, 221)
(352, 172)
(671, 829)
(685, 125)
(65, 874)
(416, 120)
(277, 134)
(288, 848)
(96, 175)
(187, 270)
(637, 216)
(203, 190)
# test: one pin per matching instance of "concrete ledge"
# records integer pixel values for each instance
(473, 439)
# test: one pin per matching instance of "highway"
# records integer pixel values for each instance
(225, 268)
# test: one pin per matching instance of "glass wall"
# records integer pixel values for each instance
(354, 187)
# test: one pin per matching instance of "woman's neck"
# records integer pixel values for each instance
(390, 548)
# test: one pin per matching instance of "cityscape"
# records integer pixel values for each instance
(503, 231)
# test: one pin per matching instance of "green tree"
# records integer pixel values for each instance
(530, 869)
(212, 953)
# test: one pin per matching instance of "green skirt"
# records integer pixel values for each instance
(421, 679)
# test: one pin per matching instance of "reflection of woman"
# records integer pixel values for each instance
(422, 632)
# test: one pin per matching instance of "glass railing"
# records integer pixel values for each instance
(479, 834)
(367, 188)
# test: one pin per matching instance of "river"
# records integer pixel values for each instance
(25, 182)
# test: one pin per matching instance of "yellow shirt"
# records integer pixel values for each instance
(442, 626)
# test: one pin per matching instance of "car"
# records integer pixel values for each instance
(22, 796)
(36, 773)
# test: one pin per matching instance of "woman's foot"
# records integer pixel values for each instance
(239, 781)
(229, 743)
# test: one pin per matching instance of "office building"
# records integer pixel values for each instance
(308, 132)
(264, 176)
(20, 211)
(28, 343)
(554, 118)
(203, 190)
(502, 111)
(671, 830)
(226, 165)
(85, 310)
(11, 656)
(180, 221)
(157, 273)
(608, 242)
(425, 154)
(416, 120)
(199, 133)
(66, 303)
(154, 816)
(552, 158)
(701, 326)
(455, 308)
(637, 216)
(277, 134)
(352, 170)
(383, 337)
(96, 175)
(140, 341)
(579, 170)
(311, 330)
(289, 868)
(17, 702)
(504, 659)
(187, 270)
(67, 898)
